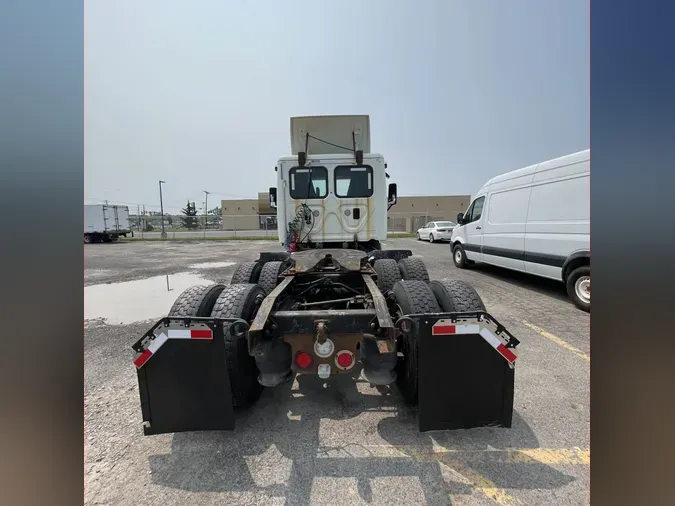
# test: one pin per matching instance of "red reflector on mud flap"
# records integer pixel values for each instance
(160, 339)
(142, 358)
(201, 334)
(152, 348)
(446, 328)
(190, 333)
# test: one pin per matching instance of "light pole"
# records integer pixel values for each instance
(161, 208)
(206, 209)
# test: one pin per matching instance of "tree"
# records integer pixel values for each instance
(190, 220)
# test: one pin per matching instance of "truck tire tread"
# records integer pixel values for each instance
(196, 300)
(246, 272)
(456, 296)
(388, 273)
(269, 275)
(413, 269)
(412, 296)
(240, 301)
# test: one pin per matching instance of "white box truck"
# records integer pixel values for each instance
(535, 220)
(104, 223)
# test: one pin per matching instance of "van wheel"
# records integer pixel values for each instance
(459, 257)
(579, 287)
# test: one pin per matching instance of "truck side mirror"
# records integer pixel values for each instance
(460, 218)
(391, 198)
(273, 198)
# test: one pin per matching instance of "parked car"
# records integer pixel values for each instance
(534, 220)
(436, 231)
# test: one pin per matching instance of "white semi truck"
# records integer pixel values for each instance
(104, 223)
(335, 303)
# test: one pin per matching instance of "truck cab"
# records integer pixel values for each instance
(326, 198)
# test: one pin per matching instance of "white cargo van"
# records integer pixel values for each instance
(534, 220)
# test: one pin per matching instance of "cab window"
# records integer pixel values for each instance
(354, 182)
(308, 182)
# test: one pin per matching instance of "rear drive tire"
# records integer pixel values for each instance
(247, 272)
(388, 273)
(413, 268)
(240, 301)
(412, 296)
(431, 238)
(196, 301)
(578, 286)
(456, 296)
(269, 276)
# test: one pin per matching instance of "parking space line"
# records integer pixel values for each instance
(461, 460)
(558, 341)
(548, 456)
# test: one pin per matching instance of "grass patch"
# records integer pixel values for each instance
(396, 235)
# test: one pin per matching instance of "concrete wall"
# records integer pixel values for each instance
(409, 213)
(240, 214)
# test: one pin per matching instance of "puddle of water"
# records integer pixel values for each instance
(211, 265)
(138, 300)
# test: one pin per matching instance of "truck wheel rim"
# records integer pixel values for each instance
(582, 287)
(458, 256)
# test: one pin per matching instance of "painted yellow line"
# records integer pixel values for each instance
(485, 486)
(558, 341)
(461, 461)
(549, 456)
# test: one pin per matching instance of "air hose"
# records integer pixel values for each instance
(303, 217)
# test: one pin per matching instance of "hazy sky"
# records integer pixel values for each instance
(199, 93)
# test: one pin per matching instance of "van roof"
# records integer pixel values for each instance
(562, 160)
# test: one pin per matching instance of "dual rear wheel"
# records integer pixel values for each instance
(234, 301)
(415, 297)
(408, 284)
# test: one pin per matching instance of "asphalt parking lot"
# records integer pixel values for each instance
(346, 444)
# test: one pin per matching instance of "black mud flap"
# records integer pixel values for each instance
(182, 376)
(466, 369)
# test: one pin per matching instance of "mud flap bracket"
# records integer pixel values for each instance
(182, 375)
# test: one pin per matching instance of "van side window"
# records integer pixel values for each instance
(477, 209)
(467, 214)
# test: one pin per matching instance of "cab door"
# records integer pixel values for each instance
(349, 209)
(307, 186)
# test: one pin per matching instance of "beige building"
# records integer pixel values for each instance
(409, 213)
